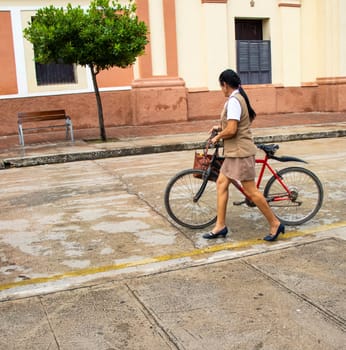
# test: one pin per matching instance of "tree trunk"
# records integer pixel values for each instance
(99, 104)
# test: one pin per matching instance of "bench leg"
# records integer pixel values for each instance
(71, 132)
(21, 135)
(69, 128)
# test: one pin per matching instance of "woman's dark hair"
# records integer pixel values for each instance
(232, 79)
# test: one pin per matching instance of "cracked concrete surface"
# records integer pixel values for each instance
(76, 217)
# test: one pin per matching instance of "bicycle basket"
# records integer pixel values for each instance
(202, 161)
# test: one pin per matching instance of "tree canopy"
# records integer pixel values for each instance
(107, 34)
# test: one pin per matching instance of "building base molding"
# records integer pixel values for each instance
(332, 94)
(158, 100)
(167, 100)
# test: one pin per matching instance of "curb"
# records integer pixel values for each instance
(158, 148)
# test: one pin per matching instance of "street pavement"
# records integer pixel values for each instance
(90, 259)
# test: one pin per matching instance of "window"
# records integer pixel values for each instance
(54, 73)
(248, 29)
(253, 61)
(253, 53)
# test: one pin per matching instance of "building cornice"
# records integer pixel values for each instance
(288, 3)
(214, 1)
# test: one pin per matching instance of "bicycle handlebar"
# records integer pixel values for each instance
(212, 135)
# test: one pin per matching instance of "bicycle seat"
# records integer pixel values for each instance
(269, 149)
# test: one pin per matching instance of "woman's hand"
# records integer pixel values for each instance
(215, 139)
(214, 134)
(215, 129)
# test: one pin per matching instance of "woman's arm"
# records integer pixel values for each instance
(227, 133)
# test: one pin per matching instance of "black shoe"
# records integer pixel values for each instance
(212, 235)
(270, 238)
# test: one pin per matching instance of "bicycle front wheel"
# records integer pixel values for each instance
(304, 199)
(190, 200)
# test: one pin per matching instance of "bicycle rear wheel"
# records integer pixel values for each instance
(303, 202)
(181, 202)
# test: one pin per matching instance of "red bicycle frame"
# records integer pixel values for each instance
(265, 165)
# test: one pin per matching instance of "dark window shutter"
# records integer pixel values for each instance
(55, 73)
(253, 61)
(248, 29)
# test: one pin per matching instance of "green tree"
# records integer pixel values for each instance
(103, 36)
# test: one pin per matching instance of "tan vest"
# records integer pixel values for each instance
(241, 144)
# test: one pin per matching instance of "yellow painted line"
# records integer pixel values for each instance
(168, 257)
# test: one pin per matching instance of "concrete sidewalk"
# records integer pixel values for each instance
(125, 141)
(290, 298)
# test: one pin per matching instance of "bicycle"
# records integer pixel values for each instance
(295, 194)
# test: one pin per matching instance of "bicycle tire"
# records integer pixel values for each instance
(180, 204)
(306, 195)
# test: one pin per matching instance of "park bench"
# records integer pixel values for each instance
(36, 121)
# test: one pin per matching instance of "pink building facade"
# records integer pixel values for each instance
(302, 67)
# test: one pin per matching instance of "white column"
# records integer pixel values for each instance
(157, 35)
(342, 39)
(216, 29)
(17, 31)
(190, 43)
(332, 38)
(290, 16)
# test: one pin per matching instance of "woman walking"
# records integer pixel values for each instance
(239, 152)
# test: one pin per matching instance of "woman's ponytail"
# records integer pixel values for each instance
(231, 78)
(252, 113)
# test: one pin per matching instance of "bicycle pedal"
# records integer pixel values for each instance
(239, 202)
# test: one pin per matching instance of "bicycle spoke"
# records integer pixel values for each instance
(303, 200)
(180, 199)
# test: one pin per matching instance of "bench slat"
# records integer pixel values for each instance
(39, 113)
(42, 118)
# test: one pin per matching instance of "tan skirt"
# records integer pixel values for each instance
(242, 169)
